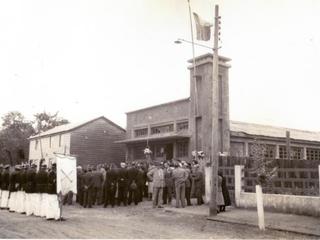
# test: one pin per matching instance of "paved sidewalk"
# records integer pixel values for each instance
(277, 221)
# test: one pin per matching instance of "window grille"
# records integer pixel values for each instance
(162, 129)
(141, 132)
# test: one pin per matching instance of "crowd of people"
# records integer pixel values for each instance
(25, 190)
(109, 185)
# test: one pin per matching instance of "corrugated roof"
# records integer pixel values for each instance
(273, 131)
(71, 126)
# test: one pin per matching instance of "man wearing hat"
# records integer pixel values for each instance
(5, 187)
(122, 184)
(42, 182)
(80, 175)
(23, 183)
(156, 175)
(31, 194)
(53, 211)
(13, 188)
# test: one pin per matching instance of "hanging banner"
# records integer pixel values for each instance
(66, 174)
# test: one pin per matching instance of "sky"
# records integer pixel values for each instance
(87, 58)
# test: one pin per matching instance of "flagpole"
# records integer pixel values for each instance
(215, 118)
(194, 82)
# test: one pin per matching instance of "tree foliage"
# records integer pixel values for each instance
(262, 166)
(14, 144)
(45, 121)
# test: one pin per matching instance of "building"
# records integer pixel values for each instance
(175, 129)
(92, 142)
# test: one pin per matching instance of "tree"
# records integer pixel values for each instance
(265, 172)
(14, 144)
(45, 121)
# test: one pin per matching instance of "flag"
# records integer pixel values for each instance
(203, 28)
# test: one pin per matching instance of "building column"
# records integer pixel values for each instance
(277, 152)
(304, 157)
(175, 149)
(246, 149)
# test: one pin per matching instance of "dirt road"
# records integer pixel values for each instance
(127, 222)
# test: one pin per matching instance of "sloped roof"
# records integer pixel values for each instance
(273, 131)
(72, 126)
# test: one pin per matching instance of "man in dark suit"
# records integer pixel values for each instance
(133, 184)
(87, 188)
(141, 182)
(122, 184)
(97, 185)
(5, 181)
(110, 186)
(80, 175)
(30, 189)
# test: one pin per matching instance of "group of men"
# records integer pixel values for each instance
(25, 190)
(180, 179)
(110, 185)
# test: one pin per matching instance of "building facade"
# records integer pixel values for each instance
(175, 129)
(92, 142)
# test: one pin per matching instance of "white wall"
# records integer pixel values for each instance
(47, 150)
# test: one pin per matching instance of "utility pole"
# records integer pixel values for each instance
(215, 135)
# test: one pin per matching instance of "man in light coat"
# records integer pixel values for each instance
(156, 175)
(180, 177)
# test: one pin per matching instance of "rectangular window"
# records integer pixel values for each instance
(141, 132)
(270, 151)
(296, 153)
(313, 154)
(162, 129)
(60, 140)
(182, 126)
(282, 152)
(182, 149)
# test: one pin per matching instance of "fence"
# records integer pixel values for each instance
(294, 177)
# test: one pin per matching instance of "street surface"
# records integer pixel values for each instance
(140, 221)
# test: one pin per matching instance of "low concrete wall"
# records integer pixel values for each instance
(304, 205)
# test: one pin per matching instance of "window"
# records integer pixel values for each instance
(182, 149)
(270, 151)
(162, 129)
(141, 132)
(282, 152)
(60, 140)
(182, 126)
(313, 154)
(296, 153)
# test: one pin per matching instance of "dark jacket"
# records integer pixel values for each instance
(88, 180)
(225, 192)
(168, 180)
(5, 180)
(122, 177)
(42, 181)
(111, 179)
(141, 177)
(12, 180)
(52, 183)
(23, 180)
(97, 179)
(31, 181)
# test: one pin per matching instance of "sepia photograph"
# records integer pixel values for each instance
(159, 119)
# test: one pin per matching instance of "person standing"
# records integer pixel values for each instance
(225, 193)
(54, 210)
(31, 190)
(156, 175)
(219, 198)
(196, 178)
(185, 166)
(179, 177)
(122, 184)
(80, 173)
(110, 186)
(141, 181)
(87, 188)
(132, 184)
(97, 185)
(13, 189)
(42, 185)
(167, 190)
(5, 181)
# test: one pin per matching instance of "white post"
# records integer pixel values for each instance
(260, 207)
(237, 183)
